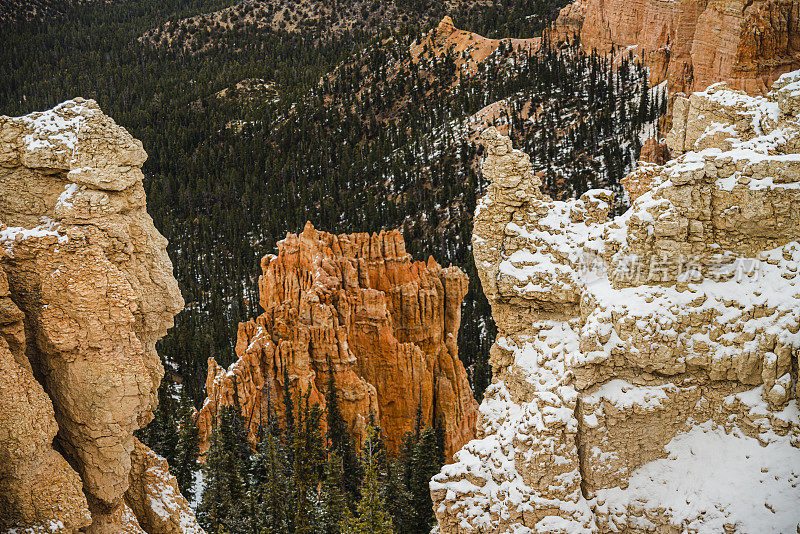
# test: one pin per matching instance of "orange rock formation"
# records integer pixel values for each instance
(654, 152)
(469, 49)
(692, 43)
(386, 323)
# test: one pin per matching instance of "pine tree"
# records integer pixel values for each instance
(224, 501)
(426, 463)
(185, 465)
(407, 491)
(288, 404)
(161, 434)
(271, 488)
(372, 517)
(644, 106)
(398, 498)
(309, 458)
(440, 440)
(410, 441)
(217, 498)
(334, 504)
(379, 446)
(340, 442)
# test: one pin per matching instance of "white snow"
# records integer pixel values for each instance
(49, 526)
(52, 129)
(164, 500)
(624, 395)
(197, 488)
(790, 82)
(710, 479)
(12, 234)
(65, 198)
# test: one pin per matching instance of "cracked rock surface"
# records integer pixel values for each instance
(86, 290)
(646, 366)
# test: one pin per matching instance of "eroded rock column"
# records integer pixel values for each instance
(94, 289)
(387, 324)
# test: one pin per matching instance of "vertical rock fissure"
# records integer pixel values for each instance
(578, 414)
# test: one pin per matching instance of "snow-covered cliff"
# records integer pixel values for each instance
(645, 371)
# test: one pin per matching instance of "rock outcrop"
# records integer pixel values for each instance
(468, 49)
(654, 152)
(692, 43)
(86, 290)
(646, 367)
(359, 303)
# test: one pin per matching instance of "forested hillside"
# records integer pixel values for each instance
(226, 178)
(384, 140)
(330, 20)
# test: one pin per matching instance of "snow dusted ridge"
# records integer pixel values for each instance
(646, 368)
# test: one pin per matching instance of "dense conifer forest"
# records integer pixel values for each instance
(353, 136)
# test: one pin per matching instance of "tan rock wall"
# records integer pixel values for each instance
(644, 364)
(692, 43)
(87, 274)
(37, 486)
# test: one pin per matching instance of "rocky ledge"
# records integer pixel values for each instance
(646, 366)
(86, 290)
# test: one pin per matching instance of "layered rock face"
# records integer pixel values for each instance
(386, 324)
(693, 43)
(86, 290)
(646, 367)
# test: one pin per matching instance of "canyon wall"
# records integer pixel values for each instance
(386, 324)
(86, 290)
(646, 366)
(692, 43)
